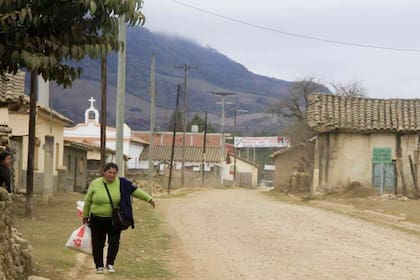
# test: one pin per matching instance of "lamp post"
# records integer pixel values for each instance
(223, 95)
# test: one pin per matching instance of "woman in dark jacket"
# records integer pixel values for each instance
(5, 163)
(98, 211)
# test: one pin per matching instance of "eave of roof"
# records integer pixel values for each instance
(327, 113)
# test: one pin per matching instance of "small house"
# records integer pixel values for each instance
(375, 142)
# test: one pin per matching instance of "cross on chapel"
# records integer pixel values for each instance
(91, 114)
(91, 99)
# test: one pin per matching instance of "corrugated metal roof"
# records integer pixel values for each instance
(192, 154)
(354, 114)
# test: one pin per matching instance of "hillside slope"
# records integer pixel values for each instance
(215, 72)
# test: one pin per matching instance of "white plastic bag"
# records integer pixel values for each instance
(81, 240)
(79, 207)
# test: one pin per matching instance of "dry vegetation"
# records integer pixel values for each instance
(142, 252)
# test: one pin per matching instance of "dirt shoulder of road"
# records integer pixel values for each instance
(392, 210)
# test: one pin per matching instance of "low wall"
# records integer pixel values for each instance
(15, 252)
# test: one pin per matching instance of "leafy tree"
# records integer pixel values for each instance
(43, 37)
(200, 122)
(177, 117)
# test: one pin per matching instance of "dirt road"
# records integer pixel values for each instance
(243, 234)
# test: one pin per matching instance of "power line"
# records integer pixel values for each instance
(302, 36)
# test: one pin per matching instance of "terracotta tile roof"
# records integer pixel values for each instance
(12, 87)
(192, 154)
(364, 115)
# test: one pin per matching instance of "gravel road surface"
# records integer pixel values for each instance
(245, 234)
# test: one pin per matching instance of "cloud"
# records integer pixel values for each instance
(385, 73)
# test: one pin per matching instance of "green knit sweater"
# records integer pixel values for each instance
(97, 200)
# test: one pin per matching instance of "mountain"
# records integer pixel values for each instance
(214, 72)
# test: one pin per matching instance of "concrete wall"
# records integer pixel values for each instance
(134, 149)
(15, 252)
(341, 158)
(4, 115)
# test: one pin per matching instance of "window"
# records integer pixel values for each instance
(81, 165)
(68, 163)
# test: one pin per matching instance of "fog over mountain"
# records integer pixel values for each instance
(214, 72)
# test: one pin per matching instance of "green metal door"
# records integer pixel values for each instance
(384, 174)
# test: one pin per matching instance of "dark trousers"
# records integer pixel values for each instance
(101, 228)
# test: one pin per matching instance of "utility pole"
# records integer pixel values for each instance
(186, 67)
(222, 144)
(204, 149)
(152, 119)
(178, 89)
(234, 148)
(122, 37)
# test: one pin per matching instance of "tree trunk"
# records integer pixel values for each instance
(31, 147)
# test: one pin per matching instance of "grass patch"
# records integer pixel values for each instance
(48, 231)
(142, 250)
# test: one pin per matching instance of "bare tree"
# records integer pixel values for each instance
(294, 105)
(353, 88)
(297, 132)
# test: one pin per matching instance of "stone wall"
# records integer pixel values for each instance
(15, 252)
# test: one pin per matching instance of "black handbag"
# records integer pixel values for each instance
(119, 220)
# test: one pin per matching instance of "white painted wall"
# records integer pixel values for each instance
(90, 130)
(241, 166)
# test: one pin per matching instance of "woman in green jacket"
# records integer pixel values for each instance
(98, 212)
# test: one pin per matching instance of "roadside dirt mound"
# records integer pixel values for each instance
(357, 190)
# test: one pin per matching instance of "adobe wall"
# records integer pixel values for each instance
(15, 252)
(342, 158)
(294, 168)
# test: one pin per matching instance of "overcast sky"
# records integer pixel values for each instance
(383, 23)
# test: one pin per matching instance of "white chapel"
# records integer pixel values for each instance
(89, 132)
